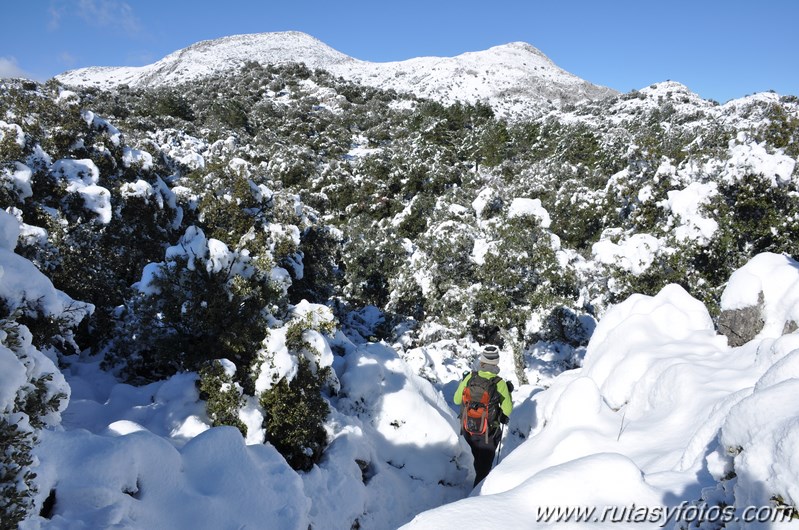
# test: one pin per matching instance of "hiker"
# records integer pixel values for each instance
(481, 424)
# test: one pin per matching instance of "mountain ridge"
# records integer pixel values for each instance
(515, 79)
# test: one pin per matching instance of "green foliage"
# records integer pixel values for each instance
(35, 400)
(449, 250)
(519, 273)
(564, 325)
(531, 140)
(17, 487)
(169, 102)
(577, 215)
(296, 411)
(661, 273)
(416, 222)
(782, 130)
(111, 255)
(408, 301)
(494, 144)
(370, 259)
(756, 216)
(224, 218)
(321, 254)
(196, 316)
(295, 408)
(10, 150)
(579, 145)
(222, 395)
(231, 114)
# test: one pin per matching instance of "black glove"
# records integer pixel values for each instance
(503, 419)
(510, 386)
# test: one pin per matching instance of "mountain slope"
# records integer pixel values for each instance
(514, 78)
(211, 57)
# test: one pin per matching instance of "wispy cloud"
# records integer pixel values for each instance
(115, 14)
(54, 13)
(10, 68)
(109, 13)
(67, 59)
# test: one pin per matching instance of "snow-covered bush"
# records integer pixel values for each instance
(370, 259)
(12, 144)
(222, 395)
(294, 373)
(520, 272)
(780, 128)
(295, 413)
(28, 398)
(204, 302)
(756, 213)
(320, 247)
(98, 210)
(33, 392)
(577, 212)
(170, 102)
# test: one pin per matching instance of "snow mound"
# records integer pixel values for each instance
(148, 456)
(775, 277)
(662, 415)
(140, 480)
(580, 482)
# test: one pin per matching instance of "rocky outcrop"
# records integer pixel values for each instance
(742, 325)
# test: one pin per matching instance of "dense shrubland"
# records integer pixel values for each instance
(196, 219)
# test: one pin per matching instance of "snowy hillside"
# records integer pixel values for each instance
(212, 57)
(246, 300)
(515, 79)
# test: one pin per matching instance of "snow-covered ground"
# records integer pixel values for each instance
(146, 457)
(661, 417)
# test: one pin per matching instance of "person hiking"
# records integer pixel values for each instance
(485, 400)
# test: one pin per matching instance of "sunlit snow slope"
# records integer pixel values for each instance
(515, 79)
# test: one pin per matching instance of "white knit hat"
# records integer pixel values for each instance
(490, 355)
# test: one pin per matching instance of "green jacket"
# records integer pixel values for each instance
(502, 387)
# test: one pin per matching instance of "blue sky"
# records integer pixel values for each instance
(720, 49)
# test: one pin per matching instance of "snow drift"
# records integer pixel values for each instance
(662, 414)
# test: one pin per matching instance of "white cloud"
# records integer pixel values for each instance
(67, 59)
(10, 68)
(109, 13)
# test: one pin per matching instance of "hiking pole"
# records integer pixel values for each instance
(499, 445)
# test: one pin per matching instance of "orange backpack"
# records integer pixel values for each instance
(479, 406)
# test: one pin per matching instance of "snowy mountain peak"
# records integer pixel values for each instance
(521, 47)
(278, 47)
(516, 78)
(212, 57)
